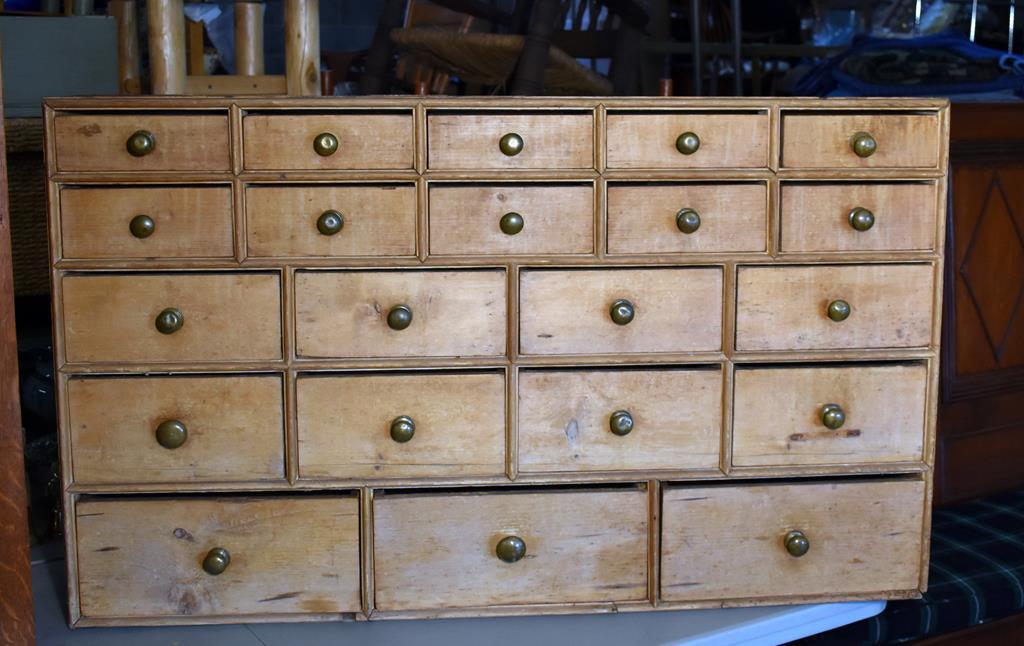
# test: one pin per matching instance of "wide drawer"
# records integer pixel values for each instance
(401, 425)
(224, 316)
(360, 313)
(580, 546)
(466, 141)
(151, 222)
(571, 312)
(829, 415)
(830, 217)
(94, 142)
(619, 420)
(687, 218)
(176, 429)
(482, 219)
(649, 140)
(339, 220)
(151, 558)
(828, 140)
(379, 141)
(787, 308)
(730, 542)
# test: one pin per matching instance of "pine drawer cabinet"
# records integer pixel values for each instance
(414, 357)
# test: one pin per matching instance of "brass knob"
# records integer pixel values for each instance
(511, 144)
(325, 144)
(171, 434)
(169, 321)
(863, 144)
(687, 143)
(400, 317)
(687, 220)
(402, 429)
(511, 223)
(142, 226)
(796, 543)
(838, 310)
(330, 222)
(140, 143)
(861, 219)
(621, 422)
(622, 312)
(217, 560)
(510, 549)
(832, 416)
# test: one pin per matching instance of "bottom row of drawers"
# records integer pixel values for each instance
(144, 557)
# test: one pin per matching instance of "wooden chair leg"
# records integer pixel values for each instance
(249, 38)
(167, 46)
(378, 58)
(302, 47)
(125, 13)
(626, 63)
(528, 78)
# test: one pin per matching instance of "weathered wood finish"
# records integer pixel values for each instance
(649, 140)
(823, 141)
(285, 142)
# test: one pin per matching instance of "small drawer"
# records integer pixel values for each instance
(510, 140)
(433, 313)
(687, 218)
(512, 219)
(498, 549)
(601, 311)
(792, 308)
(176, 429)
(173, 317)
(166, 557)
(850, 140)
(341, 220)
(141, 142)
(401, 425)
(828, 415)
(745, 542)
(336, 141)
(151, 222)
(687, 140)
(858, 217)
(619, 420)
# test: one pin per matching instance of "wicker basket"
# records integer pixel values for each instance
(26, 182)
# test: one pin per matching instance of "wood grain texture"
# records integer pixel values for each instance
(365, 141)
(777, 418)
(143, 558)
(302, 46)
(580, 546)
(567, 312)
(649, 140)
(823, 141)
(249, 38)
(470, 141)
(166, 30)
(344, 425)
(727, 542)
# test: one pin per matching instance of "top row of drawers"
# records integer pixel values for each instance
(383, 140)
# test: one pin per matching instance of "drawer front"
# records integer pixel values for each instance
(569, 312)
(646, 219)
(176, 429)
(362, 142)
(88, 143)
(349, 425)
(730, 542)
(291, 221)
(580, 546)
(780, 415)
(817, 217)
(786, 308)
(826, 141)
(649, 140)
(474, 141)
(226, 317)
(145, 558)
(164, 222)
(626, 420)
(454, 313)
(476, 220)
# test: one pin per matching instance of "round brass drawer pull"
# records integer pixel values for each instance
(511, 144)
(622, 312)
(621, 423)
(511, 223)
(796, 543)
(510, 549)
(217, 560)
(402, 429)
(687, 143)
(169, 321)
(142, 226)
(171, 434)
(400, 317)
(839, 310)
(140, 143)
(687, 220)
(832, 416)
(330, 222)
(861, 219)
(325, 144)
(863, 144)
